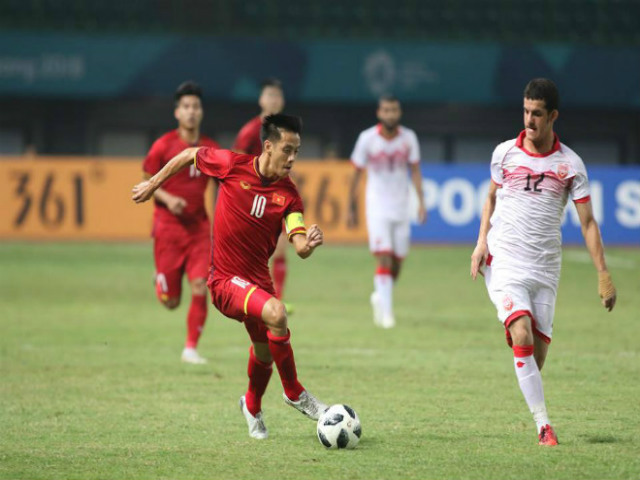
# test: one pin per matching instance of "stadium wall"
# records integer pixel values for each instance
(66, 198)
(76, 66)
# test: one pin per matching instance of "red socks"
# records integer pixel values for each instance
(279, 275)
(282, 354)
(260, 372)
(259, 375)
(195, 319)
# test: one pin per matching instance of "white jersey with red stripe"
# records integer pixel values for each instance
(387, 161)
(534, 188)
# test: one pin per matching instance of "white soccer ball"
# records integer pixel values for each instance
(339, 427)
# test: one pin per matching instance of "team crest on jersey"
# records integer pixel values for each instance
(278, 199)
(507, 303)
(563, 170)
(244, 185)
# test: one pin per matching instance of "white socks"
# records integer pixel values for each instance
(383, 282)
(530, 381)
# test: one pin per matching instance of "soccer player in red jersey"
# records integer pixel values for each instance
(271, 102)
(181, 229)
(255, 196)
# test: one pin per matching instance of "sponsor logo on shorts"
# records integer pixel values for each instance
(520, 364)
(242, 283)
(507, 303)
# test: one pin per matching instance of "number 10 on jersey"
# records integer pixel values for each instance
(259, 204)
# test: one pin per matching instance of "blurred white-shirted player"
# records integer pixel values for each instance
(388, 151)
(519, 242)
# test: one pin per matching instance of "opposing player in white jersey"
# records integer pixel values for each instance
(387, 150)
(519, 242)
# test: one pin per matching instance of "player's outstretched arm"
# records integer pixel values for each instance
(480, 253)
(593, 240)
(144, 190)
(306, 244)
(174, 203)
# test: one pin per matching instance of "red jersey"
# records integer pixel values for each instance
(189, 184)
(248, 139)
(249, 214)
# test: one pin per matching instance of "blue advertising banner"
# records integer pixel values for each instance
(455, 195)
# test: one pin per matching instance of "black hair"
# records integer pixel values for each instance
(188, 88)
(388, 97)
(543, 89)
(272, 124)
(270, 82)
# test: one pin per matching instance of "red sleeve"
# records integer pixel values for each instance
(213, 162)
(153, 163)
(245, 139)
(296, 204)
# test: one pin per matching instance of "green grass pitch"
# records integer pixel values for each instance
(92, 386)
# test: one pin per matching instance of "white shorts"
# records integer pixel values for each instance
(516, 292)
(388, 236)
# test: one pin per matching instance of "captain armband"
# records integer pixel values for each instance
(294, 224)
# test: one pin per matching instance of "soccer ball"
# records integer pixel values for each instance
(339, 427)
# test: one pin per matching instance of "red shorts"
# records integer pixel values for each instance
(175, 255)
(243, 301)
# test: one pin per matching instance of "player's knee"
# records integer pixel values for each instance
(385, 261)
(276, 316)
(171, 303)
(199, 286)
(520, 330)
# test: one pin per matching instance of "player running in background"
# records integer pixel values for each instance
(255, 196)
(387, 150)
(520, 241)
(181, 229)
(248, 141)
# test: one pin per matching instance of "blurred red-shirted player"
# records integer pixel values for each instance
(248, 141)
(181, 228)
(255, 196)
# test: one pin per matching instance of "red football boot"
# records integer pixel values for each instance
(547, 436)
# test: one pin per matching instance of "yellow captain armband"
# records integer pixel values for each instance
(195, 159)
(294, 224)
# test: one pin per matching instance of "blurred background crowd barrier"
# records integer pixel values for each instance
(89, 199)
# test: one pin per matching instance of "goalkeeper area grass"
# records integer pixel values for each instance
(93, 388)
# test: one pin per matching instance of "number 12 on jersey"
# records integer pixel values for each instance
(535, 183)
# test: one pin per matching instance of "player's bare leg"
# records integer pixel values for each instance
(529, 377)
(274, 315)
(540, 349)
(196, 319)
(382, 297)
(396, 266)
